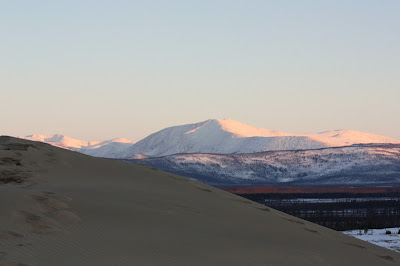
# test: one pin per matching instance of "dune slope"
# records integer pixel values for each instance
(59, 207)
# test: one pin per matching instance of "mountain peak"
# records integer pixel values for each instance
(243, 130)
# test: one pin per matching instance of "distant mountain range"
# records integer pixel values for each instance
(108, 148)
(227, 153)
(220, 136)
(357, 165)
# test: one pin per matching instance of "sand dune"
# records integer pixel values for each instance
(59, 207)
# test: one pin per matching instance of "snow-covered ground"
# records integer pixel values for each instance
(379, 237)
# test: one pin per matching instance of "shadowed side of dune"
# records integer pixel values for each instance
(72, 209)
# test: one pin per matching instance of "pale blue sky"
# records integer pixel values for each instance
(104, 69)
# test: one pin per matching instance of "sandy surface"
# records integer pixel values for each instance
(59, 207)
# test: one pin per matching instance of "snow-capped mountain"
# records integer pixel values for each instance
(61, 140)
(225, 136)
(357, 165)
(109, 148)
(222, 136)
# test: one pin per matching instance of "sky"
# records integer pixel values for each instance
(107, 69)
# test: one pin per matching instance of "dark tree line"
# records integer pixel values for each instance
(343, 212)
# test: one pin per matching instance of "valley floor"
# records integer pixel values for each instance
(379, 237)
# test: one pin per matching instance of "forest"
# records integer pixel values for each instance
(338, 211)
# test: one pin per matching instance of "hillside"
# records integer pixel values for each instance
(64, 208)
(358, 165)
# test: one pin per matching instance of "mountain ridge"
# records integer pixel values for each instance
(223, 136)
(356, 165)
(227, 136)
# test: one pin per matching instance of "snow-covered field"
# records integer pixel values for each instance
(379, 237)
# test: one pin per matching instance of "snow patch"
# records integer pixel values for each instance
(379, 237)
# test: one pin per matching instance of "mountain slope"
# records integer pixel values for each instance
(73, 209)
(359, 165)
(107, 149)
(229, 136)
